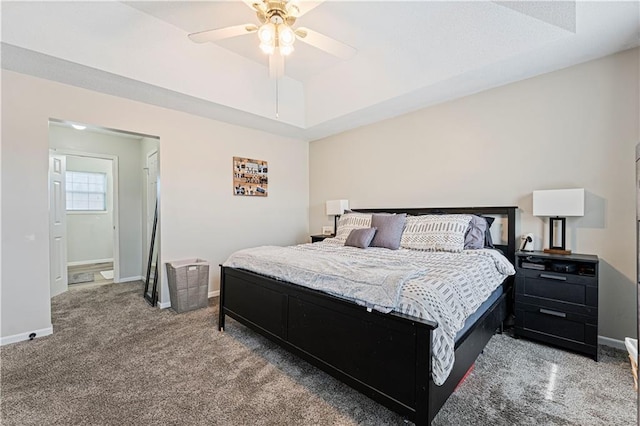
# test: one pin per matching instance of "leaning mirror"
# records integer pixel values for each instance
(151, 284)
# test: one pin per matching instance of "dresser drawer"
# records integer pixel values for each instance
(549, 286)
(558, 276)
(561, 306)
(550, 323)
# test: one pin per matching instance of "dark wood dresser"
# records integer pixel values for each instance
(556, 300)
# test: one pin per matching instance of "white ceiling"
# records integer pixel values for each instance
(410, 54)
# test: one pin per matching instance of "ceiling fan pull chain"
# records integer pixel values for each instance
(277, 100)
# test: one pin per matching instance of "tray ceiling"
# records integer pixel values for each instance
(410, 54)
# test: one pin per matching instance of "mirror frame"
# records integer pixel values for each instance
(151, 282)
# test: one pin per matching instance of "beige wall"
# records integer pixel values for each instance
(574, 128)
(199, 215)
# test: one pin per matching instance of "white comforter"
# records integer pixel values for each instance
(439, 286)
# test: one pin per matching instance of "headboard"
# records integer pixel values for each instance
(505, 213)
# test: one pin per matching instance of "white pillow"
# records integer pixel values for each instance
(435, 232)
(350, 221)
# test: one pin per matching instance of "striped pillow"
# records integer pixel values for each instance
(435, 232)
(350, 221)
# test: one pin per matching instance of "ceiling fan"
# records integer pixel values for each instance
(276, 32)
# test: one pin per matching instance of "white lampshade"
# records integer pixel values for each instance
(336, 207)
(267, 33)
(286, 36)
(558, 202)
(286, 50)
(267, 36)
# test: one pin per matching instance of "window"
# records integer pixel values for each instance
(86, 191)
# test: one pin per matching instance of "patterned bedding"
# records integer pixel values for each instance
(440, 286)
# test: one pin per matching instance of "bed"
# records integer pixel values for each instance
(386, 356)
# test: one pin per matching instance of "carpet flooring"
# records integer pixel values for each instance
(114, 360)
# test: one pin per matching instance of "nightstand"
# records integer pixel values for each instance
(556, 300)
(320, 237)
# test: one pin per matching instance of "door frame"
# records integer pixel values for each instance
(146, 201)
(115, 196)
(156, 207)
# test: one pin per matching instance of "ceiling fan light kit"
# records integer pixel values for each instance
(276, 33)
(276, 36)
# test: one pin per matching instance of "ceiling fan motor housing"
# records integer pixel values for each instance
(277, 12)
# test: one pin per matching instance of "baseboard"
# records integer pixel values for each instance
(89, 262)
(25, 336)
(130, 279)
(211, 294)
(614, 343)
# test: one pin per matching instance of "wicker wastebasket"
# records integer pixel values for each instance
(188, 284)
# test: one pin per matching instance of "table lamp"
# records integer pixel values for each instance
(556, 204)
(335, 208)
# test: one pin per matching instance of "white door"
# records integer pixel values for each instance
(152, 193)
(57, 224)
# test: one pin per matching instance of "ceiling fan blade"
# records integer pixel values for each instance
(298, 8)
(258, 6)
(222, 33)
(255, 5)
(276, 65)
(325, 43)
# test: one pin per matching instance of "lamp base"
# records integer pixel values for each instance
(557, 251)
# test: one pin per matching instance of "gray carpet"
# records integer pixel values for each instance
(113, 360)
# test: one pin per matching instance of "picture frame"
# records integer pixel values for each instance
(250, 177)
(327, 230)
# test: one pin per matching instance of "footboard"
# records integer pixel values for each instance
(385, 356)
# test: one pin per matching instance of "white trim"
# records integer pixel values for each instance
(614, 343)
(85, 212)
(214, 293)
(25, 336)
(164, 305)
(89, 262)
(129, 279)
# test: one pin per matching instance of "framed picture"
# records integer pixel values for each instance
(327, 230)
(250, 177)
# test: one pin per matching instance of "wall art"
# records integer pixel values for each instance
(250, 177)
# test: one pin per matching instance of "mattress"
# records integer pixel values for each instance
(481, 310)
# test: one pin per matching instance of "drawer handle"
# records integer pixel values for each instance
(553, 277)
(554, 313)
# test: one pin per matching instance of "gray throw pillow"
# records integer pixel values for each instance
(488, 240)
(360, 237)
(475, 236)
(389, 232)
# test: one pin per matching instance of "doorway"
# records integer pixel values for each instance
(134, 183)
(91, 235)
(84, 247)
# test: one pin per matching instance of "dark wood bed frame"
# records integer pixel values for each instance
(385, 356)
